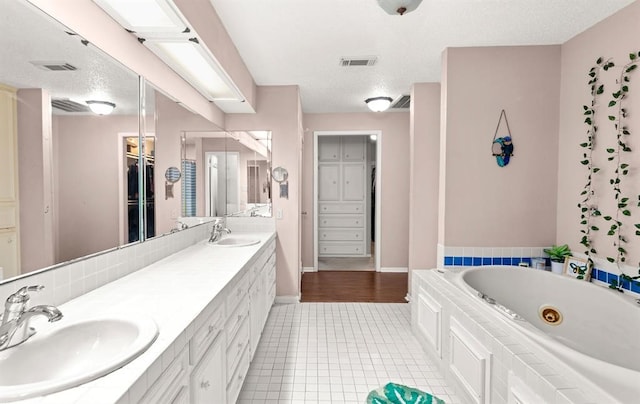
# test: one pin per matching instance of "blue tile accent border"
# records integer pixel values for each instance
(596, 274)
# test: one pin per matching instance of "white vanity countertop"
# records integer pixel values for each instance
(172, 291)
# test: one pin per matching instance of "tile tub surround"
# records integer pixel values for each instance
(338, 353)
(179, 292)
(512, 358)
(602, 273)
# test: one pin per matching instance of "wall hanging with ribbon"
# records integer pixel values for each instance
(502, 147)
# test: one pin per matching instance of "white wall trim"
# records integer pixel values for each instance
(309, 269)
(394, 269)
(287, 299)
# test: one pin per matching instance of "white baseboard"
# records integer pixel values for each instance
(287, 299)
(308, 269)
(394, 269)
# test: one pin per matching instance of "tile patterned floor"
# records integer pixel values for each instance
(315, 353)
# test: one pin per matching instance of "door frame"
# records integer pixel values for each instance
(378, 201)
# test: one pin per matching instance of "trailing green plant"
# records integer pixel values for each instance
(616, 155)
(588, 210)
(558, 253)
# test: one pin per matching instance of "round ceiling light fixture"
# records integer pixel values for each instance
(378, 104)
(399, 7)
(101, 107)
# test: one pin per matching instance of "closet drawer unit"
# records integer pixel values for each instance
(341, 235)
(340, 208)
(338, 249)
(238, 292)
(205, 335)
(237, 379)
(7, 217)
(235, 349)
(341, 221)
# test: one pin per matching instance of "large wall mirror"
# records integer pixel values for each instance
(71, 178)
(226, 174)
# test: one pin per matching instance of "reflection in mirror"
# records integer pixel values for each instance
(64, 184)
(226, 173)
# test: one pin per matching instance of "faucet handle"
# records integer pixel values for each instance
(21, 295)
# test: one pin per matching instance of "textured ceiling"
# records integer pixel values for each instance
(28, 35)
(301, 41)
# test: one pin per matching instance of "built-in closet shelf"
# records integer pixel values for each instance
(341, 196)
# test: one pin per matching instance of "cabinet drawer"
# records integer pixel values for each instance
(208, 380)
(169, 386)
(331, 249)
(341, 235)
(235, 384)
(236, 347)
(205, 335)
(341, 208)
(238, 292)
(341, 221)
(234, 321)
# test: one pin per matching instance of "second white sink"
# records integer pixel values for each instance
(67, 355)
(236, 241)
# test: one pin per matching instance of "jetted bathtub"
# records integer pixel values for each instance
(592, 329)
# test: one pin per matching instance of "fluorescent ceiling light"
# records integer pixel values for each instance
(144, 16)
(196, 65)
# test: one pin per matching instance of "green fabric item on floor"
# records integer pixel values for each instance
(393, 393)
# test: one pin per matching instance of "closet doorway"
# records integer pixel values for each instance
(347, 193)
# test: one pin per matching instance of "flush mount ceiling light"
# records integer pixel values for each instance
(378, 104)
(196, 65)
(399, 7)
(101, 107)
(145, 16)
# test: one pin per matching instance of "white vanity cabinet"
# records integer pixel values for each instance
(261, 294)
(207, 354)
(172, 387)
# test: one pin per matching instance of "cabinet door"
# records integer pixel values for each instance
(8, 253)
(328, 182)
(329, 148)
(352, 148)
(353, 182)
(208, 382)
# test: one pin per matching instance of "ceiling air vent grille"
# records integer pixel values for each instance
(68, 105)
(403, 102)
(55, 66)
(359, 61)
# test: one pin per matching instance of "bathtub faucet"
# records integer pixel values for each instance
(486, 298)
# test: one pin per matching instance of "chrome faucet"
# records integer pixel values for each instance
(216, 231)
(15, 320)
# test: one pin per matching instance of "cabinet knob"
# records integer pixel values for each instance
(211, 329)
(357, 235)
(205, 384)
(357, 222)
(239, 317)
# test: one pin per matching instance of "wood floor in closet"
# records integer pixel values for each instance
(354, 286)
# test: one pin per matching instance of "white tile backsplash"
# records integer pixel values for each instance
(68, 281)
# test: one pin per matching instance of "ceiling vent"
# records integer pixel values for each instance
(68, 105)
(55, 66)
(360, 61)
(403, 102)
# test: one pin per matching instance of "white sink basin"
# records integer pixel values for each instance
(67, 355)
(236, 241)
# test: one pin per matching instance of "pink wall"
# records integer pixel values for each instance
(394, 176)
(424, 149)
(615, 38)
(171, 120)
(88, 184)
(278, 110)
(486, 205)
(35, 180)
